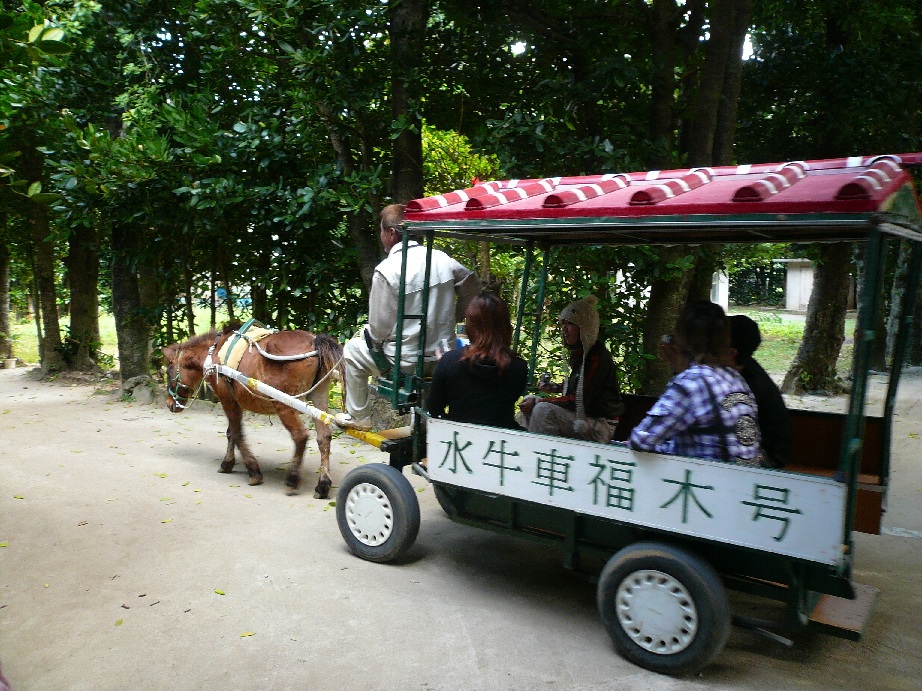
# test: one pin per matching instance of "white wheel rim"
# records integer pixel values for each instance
(369, 514)
(657, 612)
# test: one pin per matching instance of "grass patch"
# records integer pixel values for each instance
(781, 337)
(25, 337)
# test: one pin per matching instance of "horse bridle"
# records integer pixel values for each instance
(175, 384)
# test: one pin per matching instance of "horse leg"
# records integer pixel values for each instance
(299, 435)
(227, 465)
(235, 438)
(324, 435)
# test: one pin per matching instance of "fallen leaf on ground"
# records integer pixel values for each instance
(219, 592)
(167, 520)
(4, 544)
(18, 496)
(120, 622)
(247, 633)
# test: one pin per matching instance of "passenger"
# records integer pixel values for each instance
(591, 402)
(774, 418)
(448, 281)
(481, 382)
(707, 410)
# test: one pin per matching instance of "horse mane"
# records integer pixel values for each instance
(330, 355)
(208, 338)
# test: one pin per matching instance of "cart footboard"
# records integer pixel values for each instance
(845, 618)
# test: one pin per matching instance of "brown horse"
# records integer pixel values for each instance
(185, 372)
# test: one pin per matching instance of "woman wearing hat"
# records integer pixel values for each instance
(590, 402)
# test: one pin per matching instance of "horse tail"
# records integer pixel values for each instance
(330, 356)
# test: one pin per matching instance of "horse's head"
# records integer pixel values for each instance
(183, 377)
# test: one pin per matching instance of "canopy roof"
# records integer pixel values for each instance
(800, 201)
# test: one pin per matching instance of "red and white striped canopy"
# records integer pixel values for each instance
(796, 200)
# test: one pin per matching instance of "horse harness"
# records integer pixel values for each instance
(175, 384)
(233, 350)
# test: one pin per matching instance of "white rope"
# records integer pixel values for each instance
(300, 395)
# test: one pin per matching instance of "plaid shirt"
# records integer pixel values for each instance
(682, 421)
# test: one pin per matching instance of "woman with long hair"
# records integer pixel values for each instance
(481, 382)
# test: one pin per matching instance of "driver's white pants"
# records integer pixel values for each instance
(359, 367)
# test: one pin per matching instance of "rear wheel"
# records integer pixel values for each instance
(377, 512)
(665, 608)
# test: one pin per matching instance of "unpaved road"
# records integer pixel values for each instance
(128, 562)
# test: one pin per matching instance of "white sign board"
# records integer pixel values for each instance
(786, 513)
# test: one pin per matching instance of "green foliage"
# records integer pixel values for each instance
(816, 69)
(450, 162)
(246, 142)
(755, 277)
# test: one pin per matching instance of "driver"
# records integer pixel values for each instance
(449, 282)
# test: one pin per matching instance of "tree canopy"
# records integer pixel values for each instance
(246, 145)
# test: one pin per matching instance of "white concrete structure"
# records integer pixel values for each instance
(720, 290)
(798, 284)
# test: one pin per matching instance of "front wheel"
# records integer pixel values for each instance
(377, 512)
(665, 608)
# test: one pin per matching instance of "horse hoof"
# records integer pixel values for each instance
(256, 480)
(226, 468)
(291, 491)
(293, 482)
(322, 491)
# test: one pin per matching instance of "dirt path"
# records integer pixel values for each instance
(128, 562)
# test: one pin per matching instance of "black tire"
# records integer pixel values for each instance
(665, 608)
(377, 512)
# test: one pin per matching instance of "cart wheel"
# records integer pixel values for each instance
(665, 609)
(377, 512)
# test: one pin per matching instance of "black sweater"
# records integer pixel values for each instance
(475, 392)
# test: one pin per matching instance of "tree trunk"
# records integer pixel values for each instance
(6, 330)
(213, 299)
(878, 355)
(83, 276)
(369, 251)
(50, 351)
(36, 305)
(711, 84)
(814, 366)
(668, 296)
(52, 357)
(130, 325)
(663, 24)
(363, 236)
(897, 298)
(189, 301)
(725, 131)
(702, 278)
(258, 294)
(407, 28)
